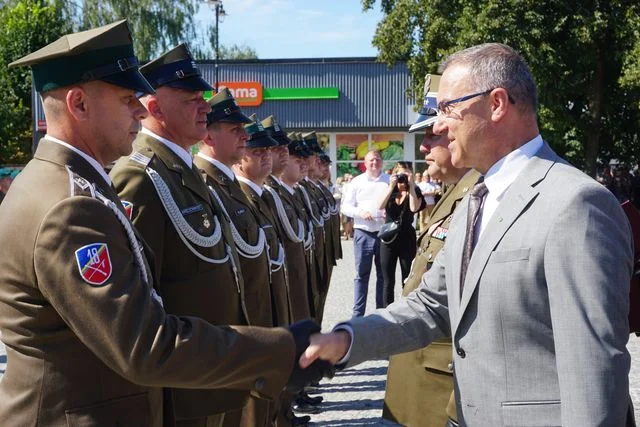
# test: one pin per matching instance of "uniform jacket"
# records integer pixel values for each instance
(97, 354)
(426, 373)
(191, 283)
(316, 261)
(540, 330)
(294, 250)
(255, 268)
(334, 210)
(278, 276)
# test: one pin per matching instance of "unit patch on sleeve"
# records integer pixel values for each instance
(94, 263)
(128, 208)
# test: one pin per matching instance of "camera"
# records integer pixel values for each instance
(402, 178)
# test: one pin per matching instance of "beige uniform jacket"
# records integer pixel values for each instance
(195, 279)
(255, 269)
(425, 376)
(295, 254)
(278, 276)
(87, 342)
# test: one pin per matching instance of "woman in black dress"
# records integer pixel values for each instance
(401, 202)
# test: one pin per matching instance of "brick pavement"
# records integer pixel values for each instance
(355, 396)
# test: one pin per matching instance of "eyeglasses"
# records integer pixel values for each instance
(444, 107)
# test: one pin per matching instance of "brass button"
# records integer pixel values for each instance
(430, 256)
(450, 367)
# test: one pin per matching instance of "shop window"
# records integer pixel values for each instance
(350, 151)
(391, 147)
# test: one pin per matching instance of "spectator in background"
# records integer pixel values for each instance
(402, 200)
(361, 203)
(429, 191)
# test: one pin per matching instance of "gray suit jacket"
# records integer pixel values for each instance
(540, 331)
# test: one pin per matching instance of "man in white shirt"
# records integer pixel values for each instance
(533, 287)
(361, 203)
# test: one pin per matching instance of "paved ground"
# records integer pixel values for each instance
(355, 396)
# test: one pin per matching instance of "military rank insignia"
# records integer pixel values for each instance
(128, 208)
(440, 233)
(94, 263)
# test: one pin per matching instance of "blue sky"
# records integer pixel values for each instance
(298, 28)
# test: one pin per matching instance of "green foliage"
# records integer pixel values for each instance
(25, 25)
(584, 56)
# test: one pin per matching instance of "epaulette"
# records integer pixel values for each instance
(141, 159)
(80, 186)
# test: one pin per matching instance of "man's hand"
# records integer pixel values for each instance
(331, 347)
(300, 377)
(366, 215)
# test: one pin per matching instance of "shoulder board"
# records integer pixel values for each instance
(140, 159)
(79, 186)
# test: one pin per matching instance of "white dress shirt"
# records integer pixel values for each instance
(179, 151)
(363, 194)
(500, 177)
(251, 184)
(227, 171)
(93, 162)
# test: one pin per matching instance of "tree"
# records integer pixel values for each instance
(584, 57)
(157, 25)
(25, 26)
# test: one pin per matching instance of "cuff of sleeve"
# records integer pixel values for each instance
(344, 327)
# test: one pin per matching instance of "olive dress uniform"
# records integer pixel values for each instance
(294, 245)
(317, 266)
(278, 276)
(419, 389)
(88, 342)
(254, 266)
(197, 275)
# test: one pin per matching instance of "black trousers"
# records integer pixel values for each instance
(403, 249)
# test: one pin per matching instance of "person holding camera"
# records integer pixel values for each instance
(401, 202)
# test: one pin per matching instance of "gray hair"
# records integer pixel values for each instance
(493, 65)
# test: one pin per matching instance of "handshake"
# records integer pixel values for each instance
(315, 356)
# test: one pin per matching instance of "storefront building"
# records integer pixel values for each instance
(353, 104)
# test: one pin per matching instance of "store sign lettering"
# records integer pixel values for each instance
(247, 94)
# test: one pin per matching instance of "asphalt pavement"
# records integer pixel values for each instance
(354, 397)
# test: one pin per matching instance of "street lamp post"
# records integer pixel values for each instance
(220, 13)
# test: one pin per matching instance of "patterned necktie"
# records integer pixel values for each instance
(475, 202)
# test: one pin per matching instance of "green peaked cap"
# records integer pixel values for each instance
(275, 131)
(104, 53)
(175, 68)
(258, 137)
(225, 109)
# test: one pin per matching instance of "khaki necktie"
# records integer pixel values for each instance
(475, 202)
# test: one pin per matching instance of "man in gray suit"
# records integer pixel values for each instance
(539, 320)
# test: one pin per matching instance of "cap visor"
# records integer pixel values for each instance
(282, 139)
(261, 142)
(130, 79)
(423, 122)
(193, 83)
(236, 117)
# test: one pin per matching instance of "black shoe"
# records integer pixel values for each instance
(300, 421)
(302, 407)
(304, 397)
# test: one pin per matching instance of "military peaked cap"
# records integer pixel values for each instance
(297, 147)
(104, 53)
(312, 142)
(177, 69)
(258, 137)
(428, 113)
(225, 109)
(275, 131)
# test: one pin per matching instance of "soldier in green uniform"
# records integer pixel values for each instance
(296, 234)
(319, 211)
(88, 341)
(290, 217)
(324, 177)
(222, 147)
(252, 171)
(195, 258)
(420, 383)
